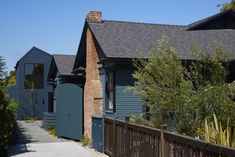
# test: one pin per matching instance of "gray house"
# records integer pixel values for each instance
(31, 84)
(67, 116)
(106, 50)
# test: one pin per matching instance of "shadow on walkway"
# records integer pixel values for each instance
(25, 137)
(18, 149)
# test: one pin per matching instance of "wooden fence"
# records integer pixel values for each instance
(123, 139)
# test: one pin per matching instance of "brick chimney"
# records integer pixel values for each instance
(94, 16)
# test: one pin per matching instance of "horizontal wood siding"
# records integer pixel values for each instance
(49, 120)
(126, 102)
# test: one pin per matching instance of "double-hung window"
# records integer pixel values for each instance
(110, 91)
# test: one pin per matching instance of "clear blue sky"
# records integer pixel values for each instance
(55, 26)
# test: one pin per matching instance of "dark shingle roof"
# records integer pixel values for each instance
(64, 63)
(201, 22)
(130, 40)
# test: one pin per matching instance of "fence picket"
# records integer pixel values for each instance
(124, 139)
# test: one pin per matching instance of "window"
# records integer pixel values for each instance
(110, 91)
(34, 76)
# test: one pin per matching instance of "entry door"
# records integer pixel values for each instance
(69, 122)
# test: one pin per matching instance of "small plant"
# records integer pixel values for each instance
(85, 140)
(214, 133)
(30, 120)
(52, 131)
(139, 119)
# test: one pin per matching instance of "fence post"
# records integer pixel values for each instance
(114, 139)
(162, 150)
(127, 142)
(171, 153)
(201, 153)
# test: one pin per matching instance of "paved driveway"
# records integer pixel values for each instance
(36, 142)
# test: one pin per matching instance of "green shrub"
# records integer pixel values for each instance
(213, 132)
(182, 94)
(139, 119)
(7, 120)
(85, 140)
(52, 131)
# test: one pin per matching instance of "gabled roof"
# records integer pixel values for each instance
(224, 19)
(132, 40)
(33, 48)
(63, 64)
(127, 40)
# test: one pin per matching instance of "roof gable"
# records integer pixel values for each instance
(126, 40)
(31, 50)
(81, 49)
(223, 20)
(63, 64)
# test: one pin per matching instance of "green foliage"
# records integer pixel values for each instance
(7, 121)
(11, 79)
(214, 133)
(85, 140)
(139, 119)
(211, 94)
(160, 82)
(181, 94)
(4, 79)
(2, 67)
(30, 119)
(227, 6)
(52, 131)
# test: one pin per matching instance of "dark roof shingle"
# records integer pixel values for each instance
(64, 63)
(132, 40)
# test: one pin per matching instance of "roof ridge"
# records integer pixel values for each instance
(63, 55)
(145, 23)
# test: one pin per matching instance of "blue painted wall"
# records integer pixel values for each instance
(41, 95)
(126, 102)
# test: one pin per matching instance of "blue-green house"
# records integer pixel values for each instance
(32, 89)
(66, 110)
(105, 54)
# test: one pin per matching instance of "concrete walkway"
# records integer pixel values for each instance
(36, 142)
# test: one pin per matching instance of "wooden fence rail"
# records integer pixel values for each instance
(124, 139)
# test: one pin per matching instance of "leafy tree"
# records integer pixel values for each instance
(2, 67)
(7, 121)
(11, 79)
(7, 112)
(212, 94)
(160, 82)
(182, 94)
(227, 6)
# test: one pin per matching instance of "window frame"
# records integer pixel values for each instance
(108, 108)
(43, 75)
